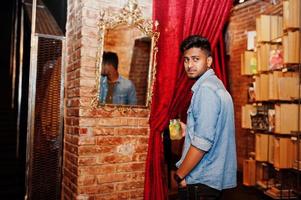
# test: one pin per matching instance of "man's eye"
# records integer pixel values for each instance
(195, 59)
(186, 60)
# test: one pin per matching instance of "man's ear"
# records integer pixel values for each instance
(209, 61)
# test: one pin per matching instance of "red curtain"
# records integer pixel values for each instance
(171, 94)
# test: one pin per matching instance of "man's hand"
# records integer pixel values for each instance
(183, 128)
(182, 184)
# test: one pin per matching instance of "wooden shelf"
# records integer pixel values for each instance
(278, 149)
(258, 131)
(280, 196)
(274, 101)
(291, 29)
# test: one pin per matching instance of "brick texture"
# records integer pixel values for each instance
(104, 148)
(243, 19)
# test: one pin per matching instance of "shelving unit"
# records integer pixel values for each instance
(272, 114)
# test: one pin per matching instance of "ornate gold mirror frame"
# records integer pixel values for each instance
(131, 16)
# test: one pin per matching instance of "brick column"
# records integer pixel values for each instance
(104, 149)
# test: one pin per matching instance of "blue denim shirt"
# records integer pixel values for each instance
(210, 128)
(124, 91)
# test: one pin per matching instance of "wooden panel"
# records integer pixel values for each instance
(296, 148)
(261, 172)
(285, 48)
(294, 46)
(283, 153)
(263, 57)
(261, 147)
(276, 27)
(246, 111)
(288, 88)
(248, 63)
(294, 14)
(263, 28)
(286, 118)
(264, 87)
(257, 88)
(291, 47)
(249, 172)
(273, 86)
(283, 86)
(285, 14)
(271, 149)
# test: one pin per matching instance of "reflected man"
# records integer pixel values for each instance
(115, 89)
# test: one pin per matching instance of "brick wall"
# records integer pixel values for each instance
(105, 148)
(243, 19)
(139, 70)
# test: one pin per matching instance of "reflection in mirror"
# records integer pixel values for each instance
(125, 66)
(132, 40)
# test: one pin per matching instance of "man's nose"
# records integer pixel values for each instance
(190, 64)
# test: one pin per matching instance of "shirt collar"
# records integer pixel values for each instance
(119, 79)
(198, 83)
(105, 79)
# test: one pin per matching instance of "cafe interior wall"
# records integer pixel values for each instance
(243, 19)
(104, 148)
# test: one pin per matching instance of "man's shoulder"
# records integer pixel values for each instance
(212, 83)
(125, 82)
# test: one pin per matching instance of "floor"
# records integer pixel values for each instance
(241, 192)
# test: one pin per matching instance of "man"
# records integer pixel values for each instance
(115, 89)
(208, 163)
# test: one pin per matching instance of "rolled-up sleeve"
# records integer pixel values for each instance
(205, 110)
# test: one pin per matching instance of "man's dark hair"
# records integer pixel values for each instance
(109, 57)
(197, 42)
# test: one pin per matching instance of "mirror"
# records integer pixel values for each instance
(125, 68)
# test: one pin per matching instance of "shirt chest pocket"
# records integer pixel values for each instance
(190, 120)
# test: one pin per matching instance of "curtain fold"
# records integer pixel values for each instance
(171, 93)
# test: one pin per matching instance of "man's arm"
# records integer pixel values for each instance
(103, 89)
(132, 95)
(192, 158)
(208, 107)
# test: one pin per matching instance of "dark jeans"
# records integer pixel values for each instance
(199, 192)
